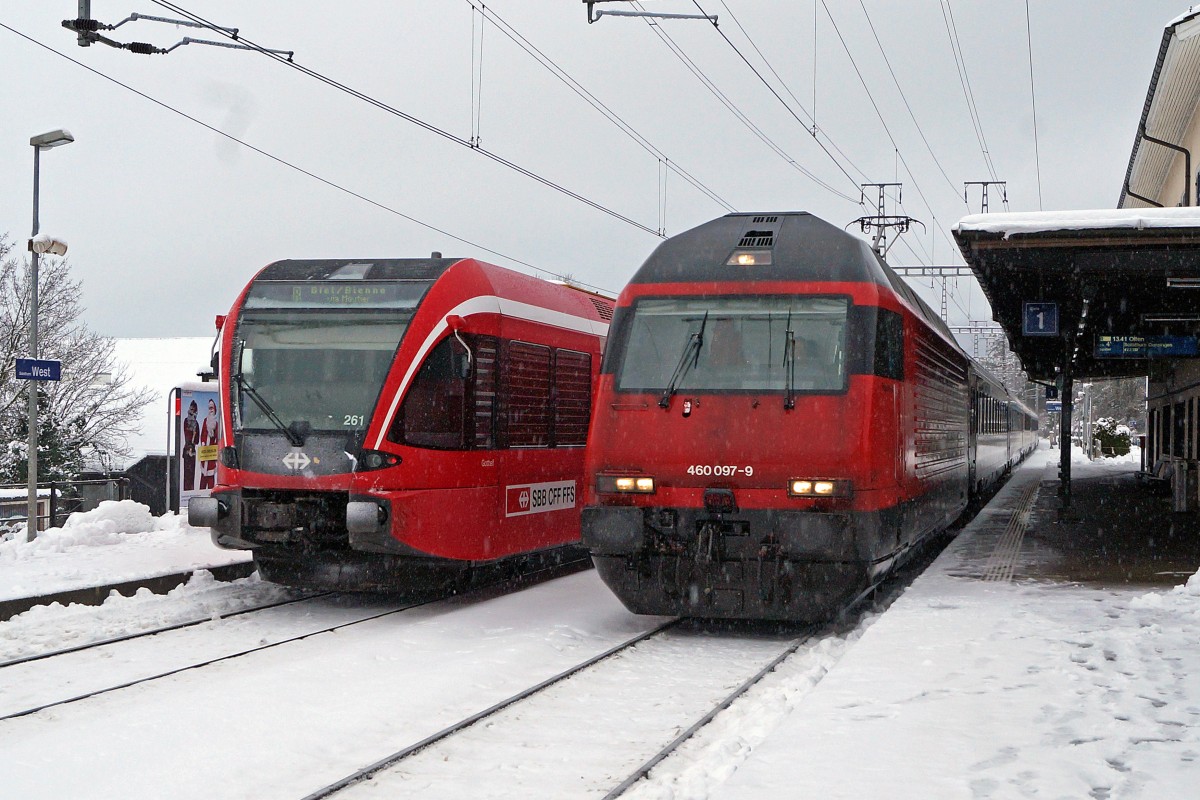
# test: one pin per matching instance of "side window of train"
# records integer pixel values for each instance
(524, 416)
(434, 411)
(889, 345)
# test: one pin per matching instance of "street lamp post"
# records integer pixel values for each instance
(39, 143)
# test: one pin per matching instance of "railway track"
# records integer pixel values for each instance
(98, 668)
(188, 623)
(663, 685)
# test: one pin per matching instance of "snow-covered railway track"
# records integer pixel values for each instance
(634, 706)
(188, 623)
(91, 671)
(627, 702)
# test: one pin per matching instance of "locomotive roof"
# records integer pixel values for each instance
(370, 269)
(803, 248)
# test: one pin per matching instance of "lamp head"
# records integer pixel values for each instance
(44, 141)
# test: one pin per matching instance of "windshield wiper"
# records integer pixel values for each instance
(293, 437)
(687, 359)
(789, 363)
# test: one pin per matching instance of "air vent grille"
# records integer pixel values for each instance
(765, 220)
(758, 239)
(605, 310)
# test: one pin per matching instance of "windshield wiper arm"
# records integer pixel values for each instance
(293, 437)
(687, 359)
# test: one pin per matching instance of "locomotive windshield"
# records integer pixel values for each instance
(316, 353)
(768, 343)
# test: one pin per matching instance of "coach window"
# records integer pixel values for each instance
(525, 417)
(434, 410)
(1177, 438)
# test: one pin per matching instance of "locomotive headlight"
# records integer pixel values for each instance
(808, 487)
(625, 484)
(749, 258)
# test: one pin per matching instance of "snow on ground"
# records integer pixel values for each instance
(962, 688)
(118, 541)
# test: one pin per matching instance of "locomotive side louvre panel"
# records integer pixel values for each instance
(487, 358)
(939, 404)
(572, 397)
(524, 418)
(513, 394)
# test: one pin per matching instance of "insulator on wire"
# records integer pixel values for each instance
(82, 25)
(141, 48)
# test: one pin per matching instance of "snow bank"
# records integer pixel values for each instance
(111, 523)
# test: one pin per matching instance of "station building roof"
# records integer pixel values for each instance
(1119, 272)
(1156, 173)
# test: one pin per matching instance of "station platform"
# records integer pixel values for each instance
(1048, 652)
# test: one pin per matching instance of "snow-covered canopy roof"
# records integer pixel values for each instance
(1169, 110)
(1104, 272)
(1009, 224)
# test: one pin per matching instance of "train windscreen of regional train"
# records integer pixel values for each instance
(313, 355)
(764, 343)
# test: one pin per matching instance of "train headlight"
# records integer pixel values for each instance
(749, 257)
(374, 459)
(625, 484)
(814, 487)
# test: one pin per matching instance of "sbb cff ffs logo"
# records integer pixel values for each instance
(538, 498)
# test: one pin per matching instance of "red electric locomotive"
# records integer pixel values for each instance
(779, 421)
(389, 423)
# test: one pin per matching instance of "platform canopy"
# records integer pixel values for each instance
(1063, 284)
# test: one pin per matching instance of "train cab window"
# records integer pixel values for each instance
(889, 345)
(433, 413)
(744, 343)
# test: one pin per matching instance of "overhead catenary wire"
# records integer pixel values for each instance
(813, 131)
(557, 71)
(737, 112)
(879, 114)
(964, 79)
(284, 162)
(907, 105)
(427, 126)
(1037, 159)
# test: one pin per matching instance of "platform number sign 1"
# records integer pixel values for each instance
(1040, 319)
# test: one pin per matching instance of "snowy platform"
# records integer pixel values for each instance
(1039, 656)
(117, 546)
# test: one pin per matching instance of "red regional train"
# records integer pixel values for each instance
(779, 422)
(390, 424)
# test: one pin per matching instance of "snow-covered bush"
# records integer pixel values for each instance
(1114, 437)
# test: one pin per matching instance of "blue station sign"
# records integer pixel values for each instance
(1147, 347)
(1054, 406)
(35, 369)
(1040, 319)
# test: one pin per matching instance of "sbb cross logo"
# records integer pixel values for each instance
(536, 498)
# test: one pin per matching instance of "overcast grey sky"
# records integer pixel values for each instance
(168, 220)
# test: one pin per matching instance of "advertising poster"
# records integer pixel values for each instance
(197, 440)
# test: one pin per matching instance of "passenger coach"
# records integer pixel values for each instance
(392, 423)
